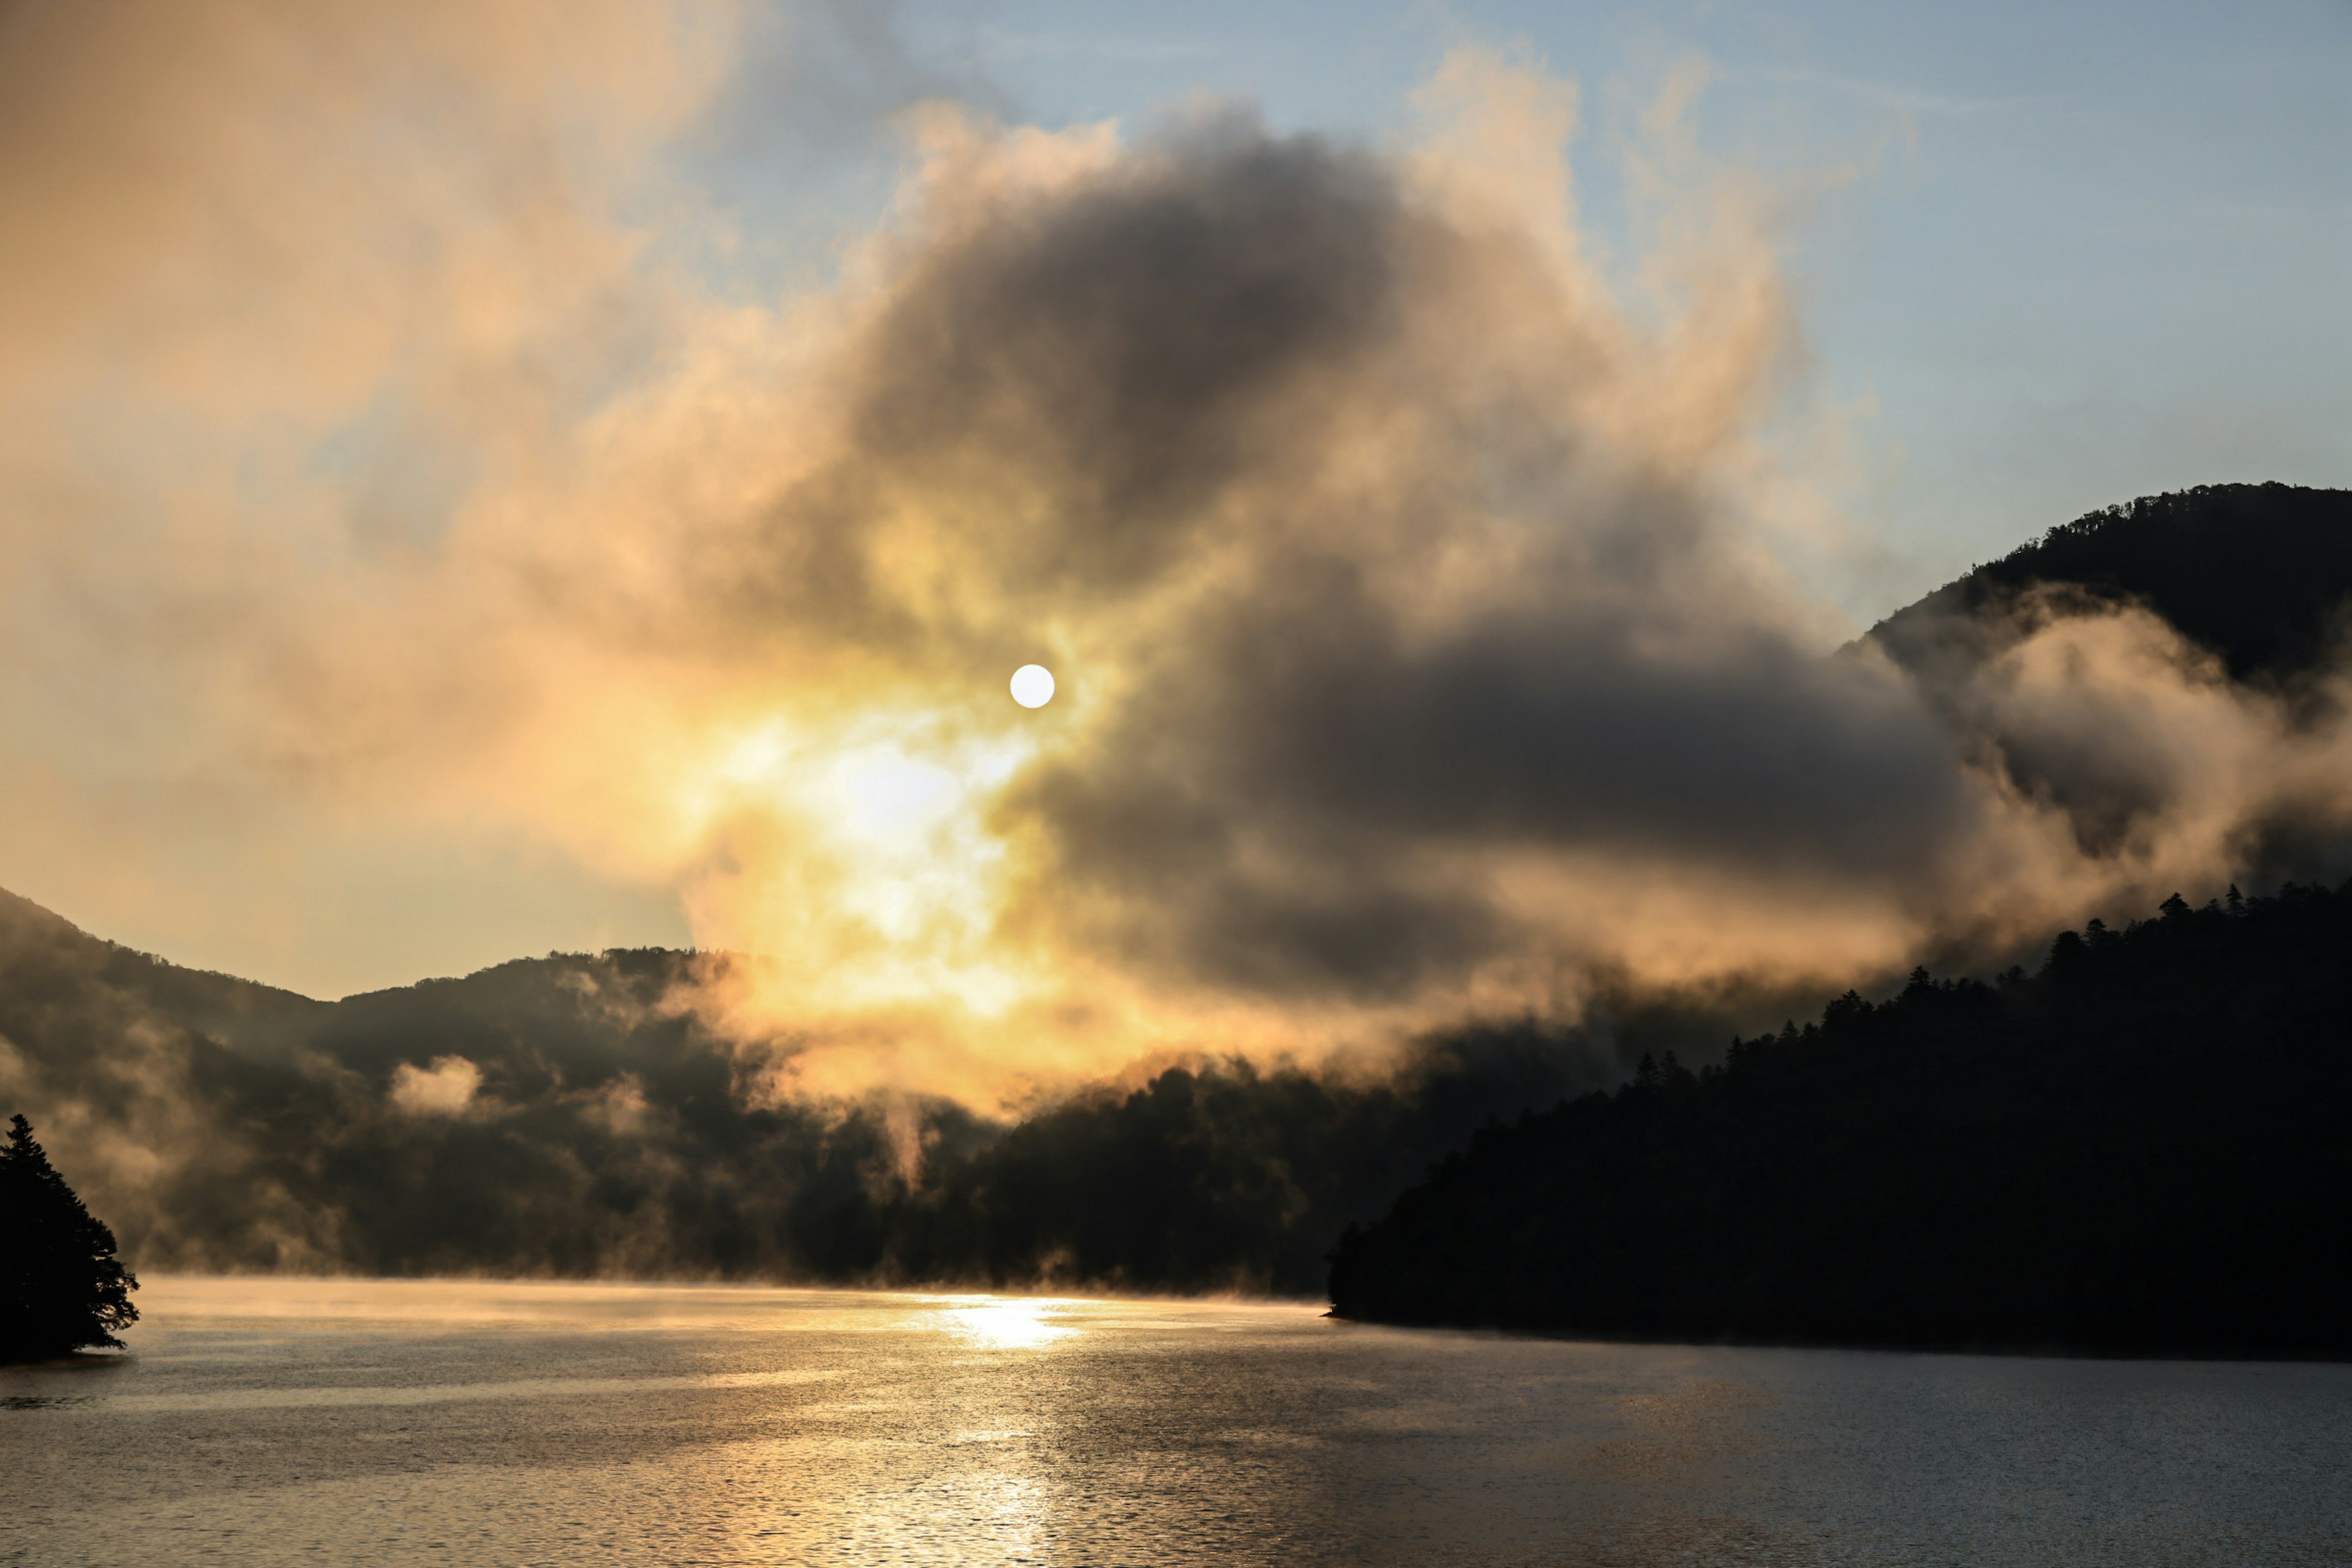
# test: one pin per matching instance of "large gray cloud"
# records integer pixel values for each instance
(1410, 577)
(1408, 582)
(1422, 652)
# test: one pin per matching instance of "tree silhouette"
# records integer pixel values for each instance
(61, 1286)
(2143, 1148)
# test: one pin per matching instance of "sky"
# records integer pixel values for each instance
(2073, 253)
(492, 480)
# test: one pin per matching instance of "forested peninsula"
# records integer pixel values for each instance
(2140, 1148)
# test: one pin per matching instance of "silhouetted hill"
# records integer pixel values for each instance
(577, 1115)
(2146, 1147)
(1219, 1176)
(52, 972)
(2258, 573)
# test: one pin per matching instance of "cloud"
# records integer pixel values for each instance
(584, 1127)
(1409, 577)
(445, 1088)
(1426, 651)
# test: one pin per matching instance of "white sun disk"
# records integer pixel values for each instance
(1032, 686)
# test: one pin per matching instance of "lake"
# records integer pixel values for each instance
(265, 1421)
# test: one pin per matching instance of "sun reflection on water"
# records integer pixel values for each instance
(1015, 1322)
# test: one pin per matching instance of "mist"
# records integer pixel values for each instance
(1415, 579)
(573, 1117)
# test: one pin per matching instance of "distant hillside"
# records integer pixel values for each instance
(575, 1115)
(53, 975)
(2258, 573)
(2144, 1148)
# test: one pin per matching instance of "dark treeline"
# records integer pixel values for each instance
(2146, 1147)
(1222, 1176)
(607, 1131)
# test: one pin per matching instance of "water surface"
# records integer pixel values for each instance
(310, 1421)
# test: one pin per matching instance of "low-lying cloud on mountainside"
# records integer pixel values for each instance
(569, 1116)
(1410, 582)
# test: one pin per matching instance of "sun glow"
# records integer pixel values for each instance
(868, 875)
(1007, 1323)
(885, 799)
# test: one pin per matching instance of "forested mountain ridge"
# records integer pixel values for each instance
(2258, 574)
(576, 1115)
(52, 973)
(2142, 1148)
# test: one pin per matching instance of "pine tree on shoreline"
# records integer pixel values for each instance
(61, 1286)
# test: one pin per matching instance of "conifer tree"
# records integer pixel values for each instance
(61, 1286)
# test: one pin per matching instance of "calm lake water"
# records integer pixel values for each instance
(306, 1421)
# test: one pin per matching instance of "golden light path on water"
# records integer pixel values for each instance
(280, 1421)
(1015, 1322)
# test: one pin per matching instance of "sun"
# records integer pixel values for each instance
(1032, 686)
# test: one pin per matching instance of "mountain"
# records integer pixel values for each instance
(2257, 574)
(577, 1115)
(57, 980)
(2143, 1148)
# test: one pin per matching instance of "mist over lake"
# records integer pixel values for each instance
(772, 771)
(266, 1421)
